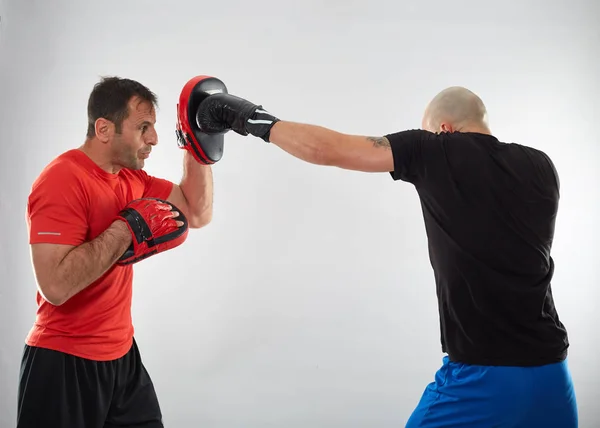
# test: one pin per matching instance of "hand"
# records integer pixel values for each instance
(220, 112)
(154, 229)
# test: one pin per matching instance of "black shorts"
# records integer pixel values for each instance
(61, 390)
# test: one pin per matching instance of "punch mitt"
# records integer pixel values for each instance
(205, 148)
(153, 228)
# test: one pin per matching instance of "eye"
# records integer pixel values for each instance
(144, 128)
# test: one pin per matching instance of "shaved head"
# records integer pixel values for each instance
(456, 109)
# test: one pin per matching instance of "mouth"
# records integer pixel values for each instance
(145, 155)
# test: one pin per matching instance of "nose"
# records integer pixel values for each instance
(151, 137)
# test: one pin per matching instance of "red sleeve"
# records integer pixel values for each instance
(57, 208)
(155, 187)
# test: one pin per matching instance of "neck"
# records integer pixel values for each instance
(97, 153)
(475, 128)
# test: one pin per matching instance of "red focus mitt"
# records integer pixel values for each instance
(153, 227)
(205, 148)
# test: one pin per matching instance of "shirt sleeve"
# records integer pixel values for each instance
(416, 154)
(155, 187)
(57, 209)
(553, 172)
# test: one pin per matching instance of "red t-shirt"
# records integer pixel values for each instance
(71, 202)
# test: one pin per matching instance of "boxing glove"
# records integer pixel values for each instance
(220, 112)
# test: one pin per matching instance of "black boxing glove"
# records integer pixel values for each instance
(221, 112)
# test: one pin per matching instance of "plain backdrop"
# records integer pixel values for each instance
(309, 301)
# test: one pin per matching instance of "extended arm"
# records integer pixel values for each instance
(310, 143)
(322, 146)
(194, 194)
(62, 271)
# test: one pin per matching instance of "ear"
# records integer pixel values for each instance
(105, 130)
(446, 127)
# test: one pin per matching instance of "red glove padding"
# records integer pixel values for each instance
(153, 227)
(205, 148)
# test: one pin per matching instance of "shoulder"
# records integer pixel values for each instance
(427, 139)
(61, 170)
(532, 154)
(411, 135)
(539, 163)
(425, 145)
(416, 154)
(63, 178)
(535, 153)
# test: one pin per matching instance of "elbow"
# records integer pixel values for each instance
(199, 217)
(57, 302)
(200, 221)
(52, 294)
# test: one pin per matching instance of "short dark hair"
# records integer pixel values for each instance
(109, 100)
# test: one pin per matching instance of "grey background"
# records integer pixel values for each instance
(309, 301)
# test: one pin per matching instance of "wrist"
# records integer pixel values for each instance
(121, 231)
(273, 131)
(191, 162)
(260, 123)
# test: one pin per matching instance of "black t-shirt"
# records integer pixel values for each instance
(489, 209)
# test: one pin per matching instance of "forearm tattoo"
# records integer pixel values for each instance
(379, 142)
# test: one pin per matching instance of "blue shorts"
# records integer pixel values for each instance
(465, 395)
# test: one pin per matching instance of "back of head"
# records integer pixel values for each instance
(109, 100)
(456, 109)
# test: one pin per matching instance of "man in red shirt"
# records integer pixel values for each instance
(81, 366)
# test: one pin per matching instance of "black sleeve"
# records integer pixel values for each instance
(553, 171)
(416, 153)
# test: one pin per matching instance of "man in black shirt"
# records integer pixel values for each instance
(489, 209)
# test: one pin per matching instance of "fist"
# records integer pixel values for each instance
(222, 112)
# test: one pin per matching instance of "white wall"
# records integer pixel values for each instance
(309, 301)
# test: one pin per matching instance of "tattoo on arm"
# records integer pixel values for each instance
(380, 142)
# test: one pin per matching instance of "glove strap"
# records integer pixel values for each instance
(260, 123)
(138, 228)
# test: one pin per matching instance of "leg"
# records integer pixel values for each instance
(135, 403)
(61, 390)
(554, 404)
(473, 396)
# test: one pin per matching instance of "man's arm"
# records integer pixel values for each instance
(322, 146)
(194, 194)
(311, 143)
(62, 271)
